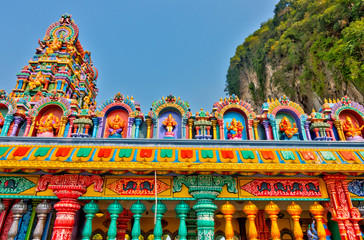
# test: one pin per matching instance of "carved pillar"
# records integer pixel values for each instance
(68, 188)
(266, 129)
(137, 209)
(250, 130)
(251, 210)
(62, 126)
(272, 209)
(130, 126)
(318, 211)
(332, 131)
(27, 128)
(138, 122)
(42, 212)
(205, 188)
(191, 222)
(307, 130)
(182, 209)
(159, 209)
(190, 127)
(18, 210)
(124, 217)
(255, 128)
(5, 129)
(228, 210)
(339, 129)
(4, 212)
(32, 127)
(149, 129)
(295, 211)
(90, 209)
(341, 207)
(221, 128)
(214, 128)
(17, 121)
(71, 119)
(95, 121)
(114, 209)
(101, 127)
(273, 123)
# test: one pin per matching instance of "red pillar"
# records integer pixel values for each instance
(124, 217)
(341, 207)
(4, 214)
(68, 188)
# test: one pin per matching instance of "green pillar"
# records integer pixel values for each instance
(137, 209)
(158, 230)
(90, 209)
(205, 188)
(182, 209)
(32, 218)
(8, 120)
(114, 209)
(191, 222)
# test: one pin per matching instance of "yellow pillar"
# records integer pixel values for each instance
(251, 210)
(339, 128)
(62, 126)
(295, 211)
(318, 211)
(214, 130)
(255, 126)
(149, 124)
(32, 127)
(228, 210)
(272, 209)
(190, 128)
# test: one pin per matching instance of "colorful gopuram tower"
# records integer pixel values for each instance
(72, 169)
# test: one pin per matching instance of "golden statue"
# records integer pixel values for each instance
(169, 123)
(53, 46)
(48, 126)
(87, 101)
(234, 129)
(350, 129)
(286, 127)
(37, 81)
(116, 126)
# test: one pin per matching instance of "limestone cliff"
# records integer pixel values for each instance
(309, 51)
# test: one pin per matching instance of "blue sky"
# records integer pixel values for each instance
(144, 48)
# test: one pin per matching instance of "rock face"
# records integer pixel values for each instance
(305, 52)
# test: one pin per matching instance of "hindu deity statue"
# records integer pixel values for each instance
(351, 130)
(48, 126)
(87, 101)
(116, 127)
(37, 81)
(2, 121)
(53, 46)
(169, 123)
(234, 130)
(288, 131)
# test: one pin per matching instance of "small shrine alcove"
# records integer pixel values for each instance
(164, 117)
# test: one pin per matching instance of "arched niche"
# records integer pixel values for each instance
(44, 113)
(110, 116)
(356, 119)
(163, 115)
(4, 109)
(239, 116)
(293, 119)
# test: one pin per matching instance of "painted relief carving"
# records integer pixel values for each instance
(14, 185)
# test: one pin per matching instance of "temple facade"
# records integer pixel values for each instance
(74, 169)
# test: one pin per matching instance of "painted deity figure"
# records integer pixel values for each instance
(116, 127)
(48, 126)
(37, 81)
(235, 129)
(311, 232)
(53, 46)
(2, 121)
(169, 123)
(351, 131)
(287, 129)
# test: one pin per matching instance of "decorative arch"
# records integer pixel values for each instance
(162, 109)
(293, 112)
(52, 100)
(234, 105)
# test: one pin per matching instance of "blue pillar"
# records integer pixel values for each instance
(5, 129)
(96, 125)
(138, 121)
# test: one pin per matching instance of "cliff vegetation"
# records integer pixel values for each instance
(309, 50)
